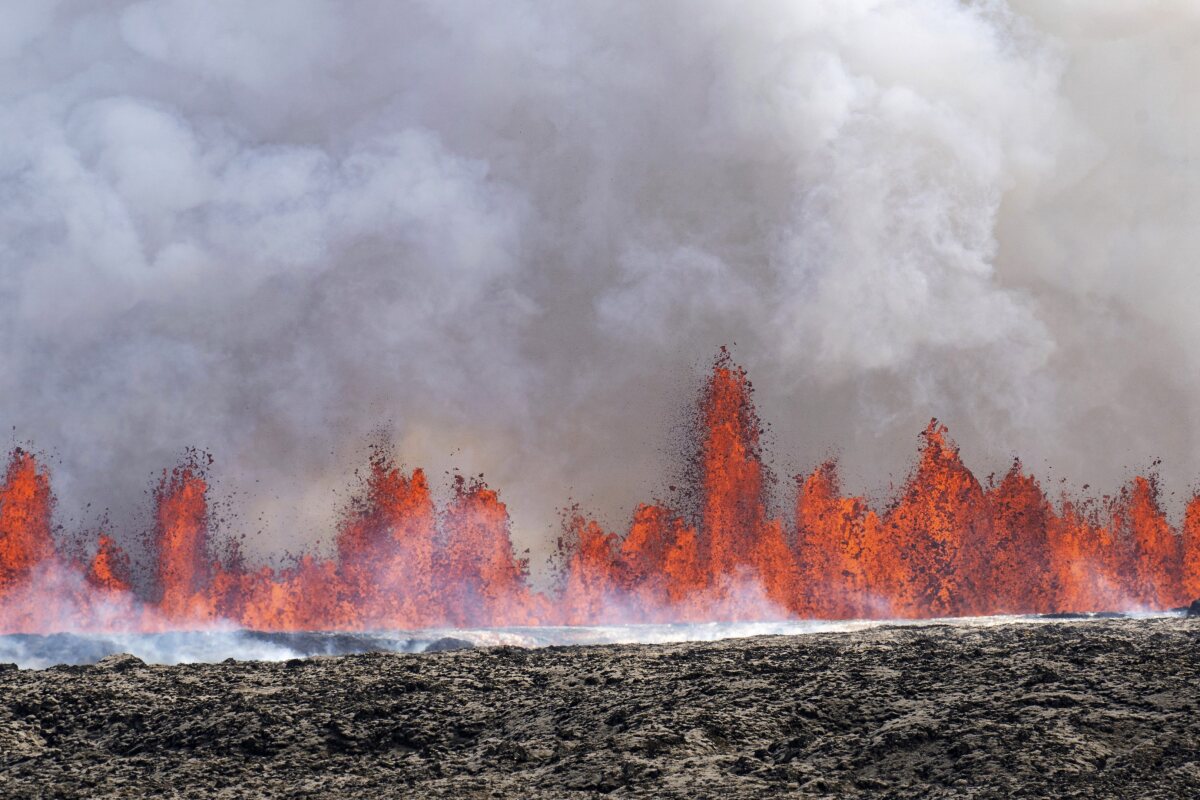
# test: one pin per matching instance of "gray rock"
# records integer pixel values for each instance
(120, 662)
(448, 643)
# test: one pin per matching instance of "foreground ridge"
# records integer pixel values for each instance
(946, 546)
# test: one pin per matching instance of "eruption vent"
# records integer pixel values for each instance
(946, 546)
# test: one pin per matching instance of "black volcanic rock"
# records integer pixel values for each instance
(1085, 709)
(121, 662)
(447, 644)
(1193, 611)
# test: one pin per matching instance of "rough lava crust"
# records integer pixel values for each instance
(1104, 708)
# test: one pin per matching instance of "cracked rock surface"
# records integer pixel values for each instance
(1094, 709)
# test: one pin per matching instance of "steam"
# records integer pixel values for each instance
(219, 644)
(506, 232)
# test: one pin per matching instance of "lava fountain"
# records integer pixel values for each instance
(946, 545)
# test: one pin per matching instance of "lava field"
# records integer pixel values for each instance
(1102, 708)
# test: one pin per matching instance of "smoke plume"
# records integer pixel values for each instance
(504, 235)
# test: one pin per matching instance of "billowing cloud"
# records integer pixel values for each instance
(505, 233)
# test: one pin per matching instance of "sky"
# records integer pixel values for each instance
(508, 238)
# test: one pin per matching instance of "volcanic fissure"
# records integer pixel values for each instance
(947, 545)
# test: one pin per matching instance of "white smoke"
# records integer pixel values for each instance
(219, 644)
(510, 231)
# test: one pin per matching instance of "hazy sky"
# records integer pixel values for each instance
(509, 236)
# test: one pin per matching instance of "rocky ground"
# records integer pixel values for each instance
(1072, 709)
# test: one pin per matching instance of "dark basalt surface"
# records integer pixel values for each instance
(1105, 708)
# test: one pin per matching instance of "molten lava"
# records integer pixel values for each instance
(184, 570)
(946, 546)
(25, 505)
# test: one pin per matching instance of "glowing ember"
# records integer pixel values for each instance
(946, 546)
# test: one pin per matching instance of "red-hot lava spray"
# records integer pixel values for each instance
(947, 545)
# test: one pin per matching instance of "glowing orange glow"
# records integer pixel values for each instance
(838, 548)
(1150, 557)
(661, 554)
(385, 550)
(938, 527)
(594, 574)
(1190, 577)
(483, 582)
(25, 505)
(946, 545)
(109, 568)
(184, 568)
(1019, 575)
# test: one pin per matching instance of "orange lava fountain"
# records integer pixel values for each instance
(25, 505)
(945, 546)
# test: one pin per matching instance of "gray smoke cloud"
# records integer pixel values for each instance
(510, 234)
